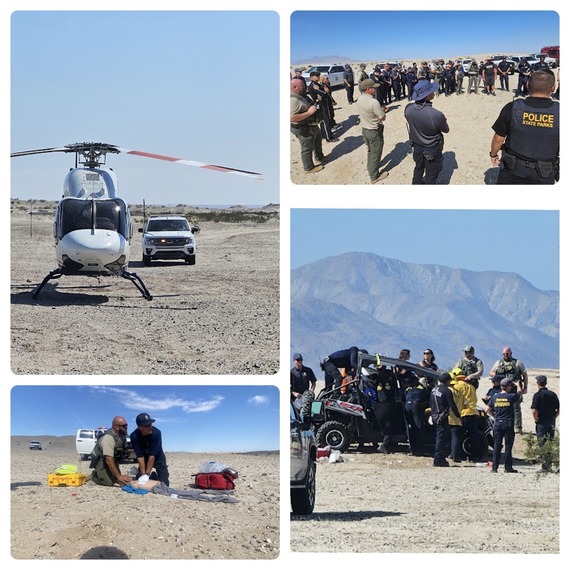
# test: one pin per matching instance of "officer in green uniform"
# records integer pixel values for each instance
(305, 126)
(528, 133)
(107, 453)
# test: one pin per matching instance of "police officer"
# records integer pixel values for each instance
(525, 71)
(305, 126)
(471, 366)
(426, 126)
(545, 409)
(441, 403)
(348, 80)
(416, 402)
(302, 378)
(501, 408)
(473, 77)
(107, 453)
(515, 371)
(541, 64)
(503, 70)
(528, 132)
(347, 359)
(388, 407)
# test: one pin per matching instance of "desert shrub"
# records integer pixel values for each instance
(547, 454)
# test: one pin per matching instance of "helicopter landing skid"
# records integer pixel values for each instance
(134, 278)
(55, 274)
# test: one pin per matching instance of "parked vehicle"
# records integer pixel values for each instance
(303, 454)
(341, 421)
(547, 59)
(168, 237)
(531, 60)
(552, 52)
(335, 72)
(36, 445)
(512, 65)
(85, 440)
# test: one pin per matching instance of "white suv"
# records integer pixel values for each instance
(335, 72)
(168, 237)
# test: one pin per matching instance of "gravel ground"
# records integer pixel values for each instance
(396, 503)
(220, 316)
(90, 521)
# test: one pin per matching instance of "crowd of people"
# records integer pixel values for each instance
(450, 400)
(527, 132)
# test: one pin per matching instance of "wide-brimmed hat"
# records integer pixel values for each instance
(368, 83)
(423, 89)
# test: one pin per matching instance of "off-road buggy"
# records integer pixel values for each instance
(345, 417)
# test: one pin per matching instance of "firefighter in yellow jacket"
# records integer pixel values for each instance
(469, 413)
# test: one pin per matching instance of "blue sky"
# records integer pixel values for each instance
(181, 84)
(191, 418)
(385, 34)
(523, 242)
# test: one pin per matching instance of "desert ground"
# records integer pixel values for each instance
(396, 503)
(220, 316)
(465, 153)
(90, 521)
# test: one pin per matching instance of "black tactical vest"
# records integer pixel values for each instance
(535, 132)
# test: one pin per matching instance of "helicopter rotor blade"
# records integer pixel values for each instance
(40, 151)
(207, 166)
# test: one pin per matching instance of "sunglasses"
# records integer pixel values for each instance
(122, 425)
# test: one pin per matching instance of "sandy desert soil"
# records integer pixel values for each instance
(466, 150)
(396, 503)
(101, 522)
(220, 316)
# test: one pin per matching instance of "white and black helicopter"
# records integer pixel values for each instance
(92, 227)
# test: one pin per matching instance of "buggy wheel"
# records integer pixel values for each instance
(333, 434)
(483, 445)
(303, 500)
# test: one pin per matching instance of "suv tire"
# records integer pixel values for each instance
(303, 500)
(190, 259)
(146, 260)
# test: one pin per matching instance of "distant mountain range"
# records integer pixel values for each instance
(384, 305)
(325, 59)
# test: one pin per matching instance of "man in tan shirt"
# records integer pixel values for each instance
(372, 117)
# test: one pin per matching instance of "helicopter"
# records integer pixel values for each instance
(92, 226)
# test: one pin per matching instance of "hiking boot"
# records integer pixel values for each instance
(316, 168)
(511, 470)
(382, 176)
(440, 464)
(494, 471)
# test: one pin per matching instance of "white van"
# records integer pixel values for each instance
(85, 441)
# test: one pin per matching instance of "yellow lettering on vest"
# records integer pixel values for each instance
(538, 119)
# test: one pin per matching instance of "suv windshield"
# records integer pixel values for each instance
(168, 226)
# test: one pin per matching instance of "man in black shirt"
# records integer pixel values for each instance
(545, 409)
(426, 126)
(302, 378)
(528, 132)
(347, 359)
(147, 445)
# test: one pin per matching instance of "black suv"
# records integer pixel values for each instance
(303, 464)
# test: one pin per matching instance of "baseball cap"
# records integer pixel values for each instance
(505, 382)
(468, 348)
(144, 420)
(541, 380)
(297, 69)
(297, 356)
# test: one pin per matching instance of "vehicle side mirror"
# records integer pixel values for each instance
(140, 230)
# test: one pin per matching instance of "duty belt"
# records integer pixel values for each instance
(297, 126)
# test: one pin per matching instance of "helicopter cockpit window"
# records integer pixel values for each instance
(93, 214)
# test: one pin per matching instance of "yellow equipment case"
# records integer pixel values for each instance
(70, 480)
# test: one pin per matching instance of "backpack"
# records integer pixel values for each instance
(222, 481)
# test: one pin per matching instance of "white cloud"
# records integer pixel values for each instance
(258, 400)
(134, 401)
